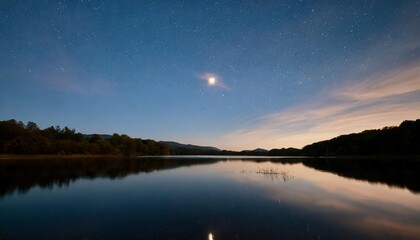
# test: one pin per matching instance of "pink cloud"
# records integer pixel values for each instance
(382, 100)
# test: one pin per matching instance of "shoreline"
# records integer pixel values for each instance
(90, 156)
(54, 156)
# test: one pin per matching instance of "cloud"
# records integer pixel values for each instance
(391, 84)
(375, 102)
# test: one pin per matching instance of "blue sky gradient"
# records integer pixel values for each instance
(137, 67)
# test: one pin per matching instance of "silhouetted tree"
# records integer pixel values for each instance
(16, 138)
(401, 140)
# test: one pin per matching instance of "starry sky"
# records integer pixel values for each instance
(287, 73)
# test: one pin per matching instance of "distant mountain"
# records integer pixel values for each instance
(286, 152)
(189, 149)
(181, 145)
(255, 152)
(260, 150)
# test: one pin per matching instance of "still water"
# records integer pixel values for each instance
(209, 198)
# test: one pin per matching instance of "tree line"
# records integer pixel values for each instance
(401, 140)
(398, 141)
(19, 138)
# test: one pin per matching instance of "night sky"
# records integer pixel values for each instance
(231, 74)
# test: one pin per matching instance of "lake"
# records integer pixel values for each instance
(202, 197)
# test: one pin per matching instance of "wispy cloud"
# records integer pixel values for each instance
(375, 102)
(391, 84)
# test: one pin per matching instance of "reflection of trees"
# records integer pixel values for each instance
(403, 173)
(23, 174)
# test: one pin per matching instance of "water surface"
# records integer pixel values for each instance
(190, 198)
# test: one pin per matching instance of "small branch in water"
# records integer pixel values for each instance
(274, 173)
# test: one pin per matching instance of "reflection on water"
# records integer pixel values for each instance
(213, 198)
(23, 174)
(274, 174)
(401, 173)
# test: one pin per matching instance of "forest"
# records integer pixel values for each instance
(401, 140)
(19, 138)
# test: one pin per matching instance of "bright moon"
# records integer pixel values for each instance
(212, 80)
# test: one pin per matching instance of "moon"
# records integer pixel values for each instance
(211, 80)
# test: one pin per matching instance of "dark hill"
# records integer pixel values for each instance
(285, 152)
(189, 149)
(401, 140)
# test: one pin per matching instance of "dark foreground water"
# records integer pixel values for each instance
(209, 198)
